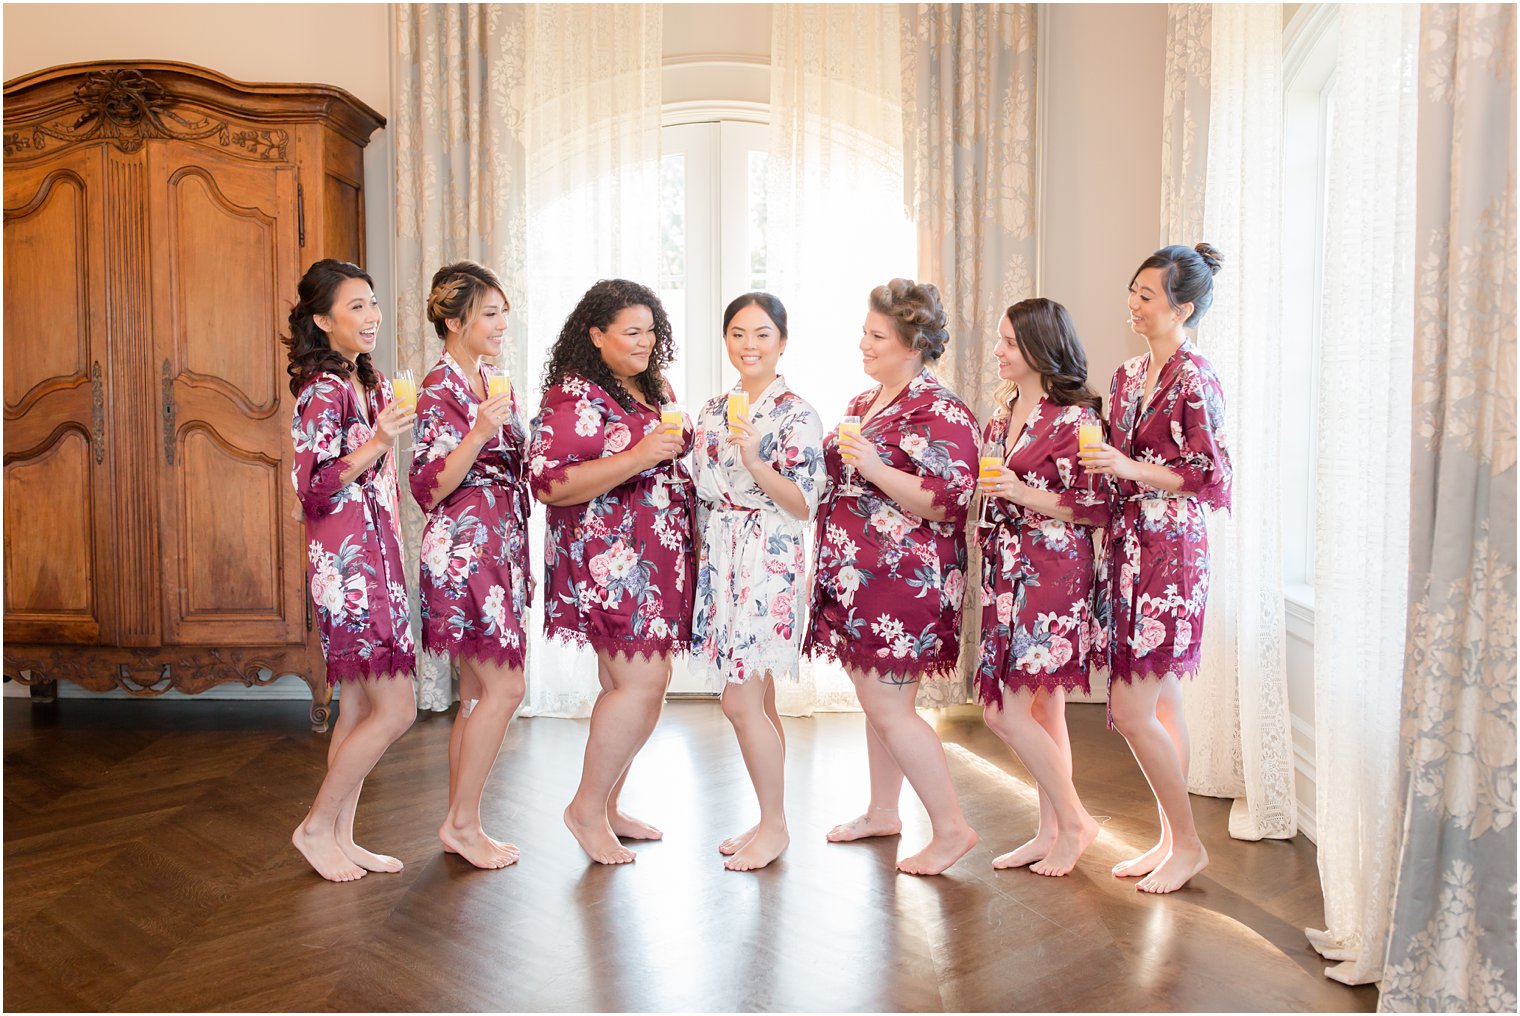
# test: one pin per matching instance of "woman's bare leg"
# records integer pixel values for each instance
(1019, 724)
(500, 691)
(393, 707)
(733, 843)
(918, 754)
(765, 757)
(1158, 751)
(881, 816)
(624, 716)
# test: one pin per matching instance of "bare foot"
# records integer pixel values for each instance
(1066, 849)
(324, 854)
(941, 853)
(1028, 853)
(629, 828)
(763, 848)
(476, 847)
(597, 840)
(1145, 863)
(1173, 873)
(368, 859)
(731, 846)
(875, 822)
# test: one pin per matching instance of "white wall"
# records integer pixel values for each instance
(347, 45)
(1100, 209)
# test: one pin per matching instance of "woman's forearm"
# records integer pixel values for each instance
(593, 478)
(786, 494)
(908, 490)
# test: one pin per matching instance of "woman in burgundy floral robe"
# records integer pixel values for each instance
(1168, 462)
(890, 562)
(346, 422)
(619, 562)
(468, 476)
(1037, 568)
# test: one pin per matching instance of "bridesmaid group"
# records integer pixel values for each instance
(671, 534)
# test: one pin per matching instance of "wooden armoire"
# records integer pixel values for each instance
(157, 219)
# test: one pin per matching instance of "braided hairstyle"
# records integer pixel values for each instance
(307, 345)
(574, 352)
(1048, 342)
(458, 291)
(1188, 273)
(915, 309)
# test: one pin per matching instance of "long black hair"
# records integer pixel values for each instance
(1189, 276)
(307, 344)
(1048, 341)
(575, 353)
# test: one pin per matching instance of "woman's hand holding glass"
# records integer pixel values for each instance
(743, 435)
(859, 455)
(395, 420)
(660, 445)
(1105, 458)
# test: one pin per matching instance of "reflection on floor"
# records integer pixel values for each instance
(147, 867)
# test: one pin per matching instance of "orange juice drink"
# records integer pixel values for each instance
(989, 466)
(672, 417)
(404, 386)
(849, 425)
(1089, 435)
(738, 407)
(498, 383)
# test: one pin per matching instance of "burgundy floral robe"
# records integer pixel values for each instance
(620, 569)
(887, 587)
(474, 572)
(354, 566)
(1037, 571)
(1156, 574)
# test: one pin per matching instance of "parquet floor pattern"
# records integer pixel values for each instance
(147, 867)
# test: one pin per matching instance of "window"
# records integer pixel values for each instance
(712, 226)
(1308, 119)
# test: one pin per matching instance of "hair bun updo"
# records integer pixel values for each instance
(1211, 257)
(916, 309)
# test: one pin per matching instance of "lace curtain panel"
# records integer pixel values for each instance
(459, 193)
(1362, 508)
(592, 126)
(1451, 946)
(1221, 150)
(968, 101)
(836, 223)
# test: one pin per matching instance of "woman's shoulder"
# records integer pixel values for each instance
(938, 399)
(795, 406)
(326, 384)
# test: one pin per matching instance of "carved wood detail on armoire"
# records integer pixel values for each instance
(157, 218)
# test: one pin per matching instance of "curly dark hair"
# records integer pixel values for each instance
(916, 310)
(1047, 340)
(575, 353)
(1189, 273)
(307, 345)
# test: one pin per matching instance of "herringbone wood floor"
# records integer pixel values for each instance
(147, 867)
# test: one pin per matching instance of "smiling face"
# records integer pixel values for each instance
(628, 342)
(484, 335)
(1150, 313)
(353, 322)
(754, 344)
(887, 359)
(1010, 358)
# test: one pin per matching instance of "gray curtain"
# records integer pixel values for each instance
(1452, 942)
(968, 100)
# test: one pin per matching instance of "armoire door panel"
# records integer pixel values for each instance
(50, 543)
(231, 501)
(47, 284)
(59, 542)
(225, 268)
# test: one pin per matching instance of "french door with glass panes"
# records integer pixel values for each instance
(712, 227)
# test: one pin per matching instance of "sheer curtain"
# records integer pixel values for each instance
(836, 226)
(459, 194)
(592, 124)
(1362, 475)
(1451, 945)
(1229, 194)
(968, 87)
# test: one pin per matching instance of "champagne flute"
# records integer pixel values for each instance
(848, 425)
(989, 467)
(498, 382)
(404, 389)
(738, 406)
(1089, 436)
(672, 417)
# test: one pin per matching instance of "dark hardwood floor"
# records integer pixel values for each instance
(148, 867)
